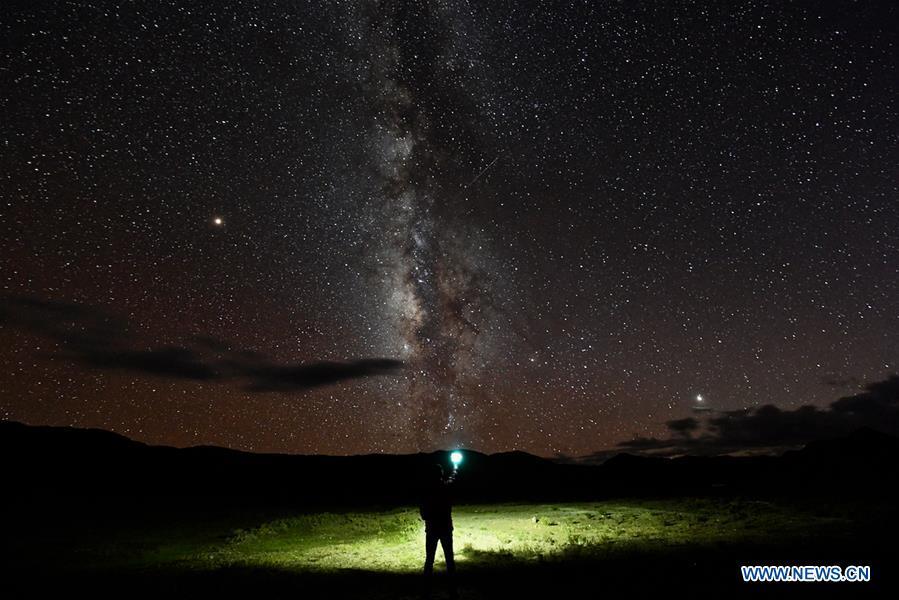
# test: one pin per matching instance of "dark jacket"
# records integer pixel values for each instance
(436, 505)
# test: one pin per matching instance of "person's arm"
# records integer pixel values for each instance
(423, 507)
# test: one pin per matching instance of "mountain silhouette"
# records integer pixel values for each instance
(46, 463)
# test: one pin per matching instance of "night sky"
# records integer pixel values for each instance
(352, 227)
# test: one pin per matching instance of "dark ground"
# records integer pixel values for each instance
(87, 512)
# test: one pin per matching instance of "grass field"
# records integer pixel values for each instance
(393, 541)
(385, 548)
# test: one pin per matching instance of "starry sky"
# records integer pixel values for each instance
(396, 226)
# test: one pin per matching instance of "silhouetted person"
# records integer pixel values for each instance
(436, 509)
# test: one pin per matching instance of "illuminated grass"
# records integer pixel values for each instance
(393, 541)
(386, 541)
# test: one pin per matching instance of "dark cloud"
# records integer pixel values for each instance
(282, 378)
(769, 429)
(170, 361)
(88, 336)
(684, 427)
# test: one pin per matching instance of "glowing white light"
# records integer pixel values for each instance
(699, 397)
(456, 458)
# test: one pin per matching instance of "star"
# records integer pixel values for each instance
(576, 251)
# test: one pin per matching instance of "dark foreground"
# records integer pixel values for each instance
(614, 548)
(91, 512)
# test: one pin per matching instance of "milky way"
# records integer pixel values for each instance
(392, 226)
(437, 290)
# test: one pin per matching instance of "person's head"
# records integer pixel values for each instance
(435, 474)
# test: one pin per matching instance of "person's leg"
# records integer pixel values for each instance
(446, 541)
(430, 550)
